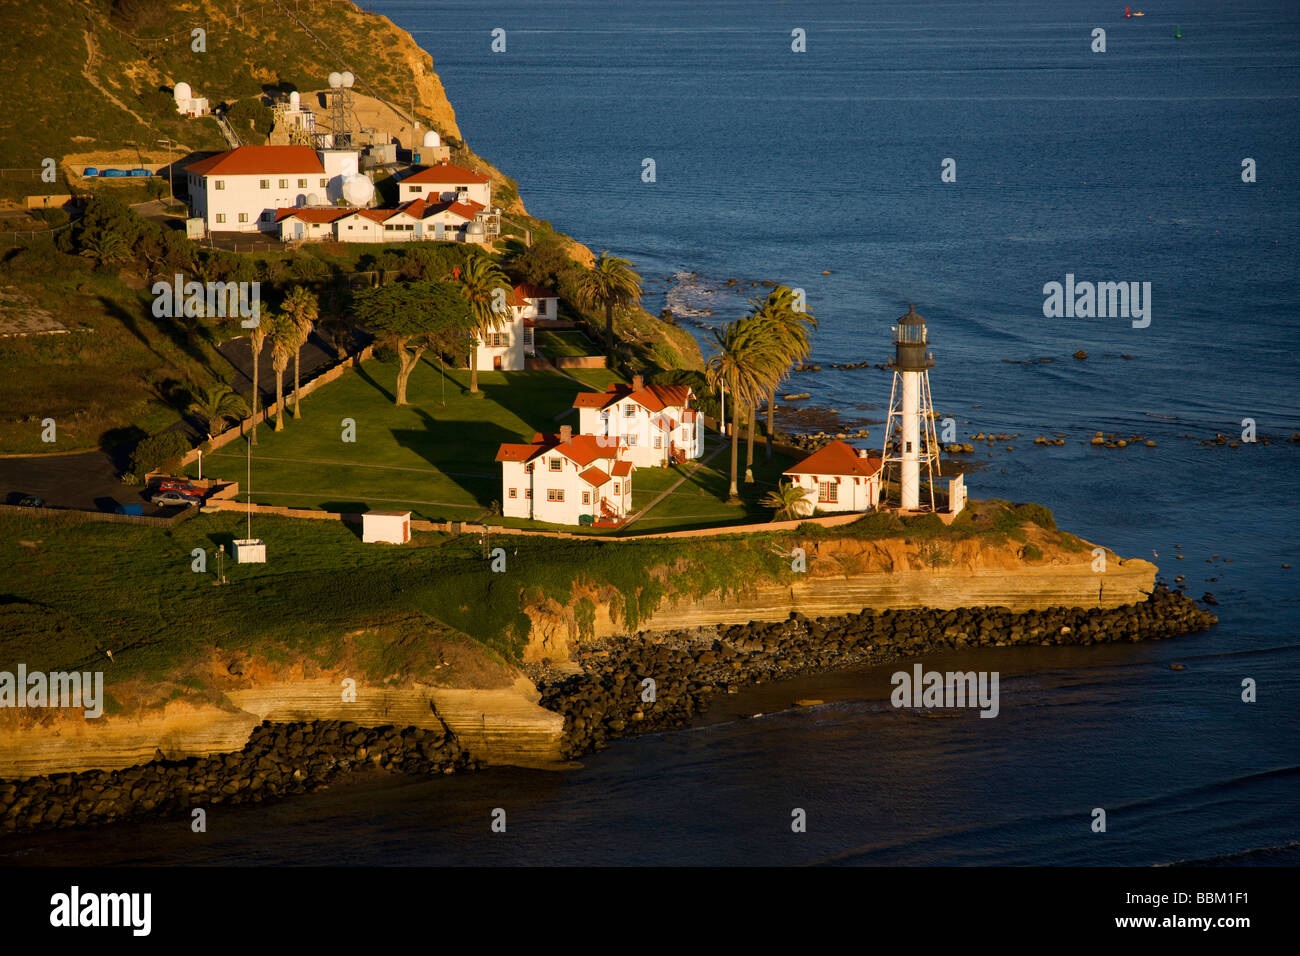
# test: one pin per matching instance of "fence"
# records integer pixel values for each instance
(76, 515)
(305, 389)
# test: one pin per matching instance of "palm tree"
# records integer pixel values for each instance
(790, 501)
(216, 404)
(792, 324)
(611, 283)
(257, 339)
(480, 282)
(303, 310)
(745, 363)
(284, 342)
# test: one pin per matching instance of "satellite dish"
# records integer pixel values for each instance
(294, 100)
(313, 199)
(336, 80)
(182, 92)
(357, 190)
(432, 139)
(347, 78)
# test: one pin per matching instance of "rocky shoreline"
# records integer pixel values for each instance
(605, 702)
(278, 760)
(601, 704)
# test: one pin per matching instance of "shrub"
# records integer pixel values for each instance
(1040, 515)
(162, 451)
(1031, 552)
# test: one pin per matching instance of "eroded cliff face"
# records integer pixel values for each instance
(846, 575)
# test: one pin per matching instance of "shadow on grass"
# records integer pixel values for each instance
(364, 372)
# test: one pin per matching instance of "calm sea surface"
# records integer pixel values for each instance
(774, 165)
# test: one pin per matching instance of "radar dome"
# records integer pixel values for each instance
(313, 199)
(336, 80)
(294, 100)
(346, 78)
(357, 190)
(432, 139)
(182, 92)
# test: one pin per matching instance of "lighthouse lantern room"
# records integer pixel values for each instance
(910, 436)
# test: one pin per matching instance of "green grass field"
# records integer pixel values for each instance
(568, 342)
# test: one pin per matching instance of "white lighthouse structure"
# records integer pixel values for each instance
(910, 437)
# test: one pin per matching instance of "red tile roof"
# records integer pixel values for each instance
(622, 469)
(527, 290)
(312, 213)
(259, 160)
(446, 173)
(653, 397)
(594, 477)
(422, 209)
(581, 449)
(837, 458)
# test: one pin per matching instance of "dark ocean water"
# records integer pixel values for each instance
(774, 165)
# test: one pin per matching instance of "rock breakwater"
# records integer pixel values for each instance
(279, 759)
(607, 700)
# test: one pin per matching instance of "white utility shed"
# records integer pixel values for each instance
(389, 527)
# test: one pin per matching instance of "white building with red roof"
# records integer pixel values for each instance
(446, 181)
(241, 190)
(410, 222)
(656, 422)
(839, 477)
(566, 479)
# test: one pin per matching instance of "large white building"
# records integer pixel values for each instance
(241, 189)
(565, 478)
(656, 422)
(838, 477)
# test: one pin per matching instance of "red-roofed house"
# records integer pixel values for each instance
(445, 181)
(241, 189)
(839, 477)
(562, 478)
(655, 421)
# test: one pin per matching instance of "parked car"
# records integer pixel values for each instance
(174, 499)
(31, 501)
(181, 486)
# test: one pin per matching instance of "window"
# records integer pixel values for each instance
(499, 339)
(659, 442)
(350, 228)
(616, 491)
(284, 184)
(219, 184)
(324, 183)
(243, 217)
(629, 410)
(264, 183)
(586, 497)
(302, 184)
(555, 464)
(828, 492)
(221, 217)
(528, 492)
(554, 494)
(417, 189)
(512, 493)
(631, 440)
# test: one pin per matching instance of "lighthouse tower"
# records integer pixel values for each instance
(910, 437)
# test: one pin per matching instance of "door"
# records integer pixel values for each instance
(297, 229)
(496, 363)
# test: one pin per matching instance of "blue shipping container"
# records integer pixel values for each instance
(90, 171)
(130, 509)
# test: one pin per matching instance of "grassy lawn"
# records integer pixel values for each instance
(438, 460)
(565, 343)
(701, 500)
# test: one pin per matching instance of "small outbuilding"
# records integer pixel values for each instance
(248, 551)
(839, 477)
(388, 527)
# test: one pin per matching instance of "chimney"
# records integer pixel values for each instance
(638, 382)
(863, 453)
(566, 434)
